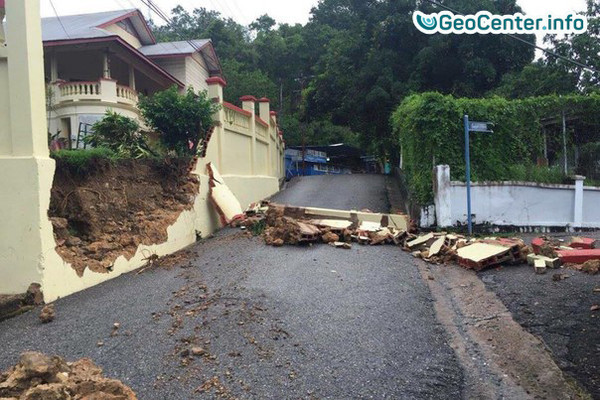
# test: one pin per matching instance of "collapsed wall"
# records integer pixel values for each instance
(108, 212)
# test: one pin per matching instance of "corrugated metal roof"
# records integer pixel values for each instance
(169, 48)
(80, 26)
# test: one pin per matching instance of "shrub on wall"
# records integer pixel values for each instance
(120, 134)
(430, 130)
(182, 120)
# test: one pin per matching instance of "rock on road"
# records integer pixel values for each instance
(273, 323)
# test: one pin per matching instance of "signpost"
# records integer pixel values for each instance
(472, 126)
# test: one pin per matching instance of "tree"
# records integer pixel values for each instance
(537, 79)
(182, 120)
(584, 48)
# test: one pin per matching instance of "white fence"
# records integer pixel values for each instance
(519, 204)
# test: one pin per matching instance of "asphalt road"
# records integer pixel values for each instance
(275, 323)
(559, 313)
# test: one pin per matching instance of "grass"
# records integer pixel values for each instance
(534, 173)
(83, 161)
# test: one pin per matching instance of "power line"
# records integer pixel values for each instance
(165, 18)
(59, 20)
(545, 50)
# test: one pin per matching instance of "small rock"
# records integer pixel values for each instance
(330, 237)
(595, 307)
(73, 241)
(34, 295)
(277, 242)
(100, 344)
(198, 351)
(48, 314)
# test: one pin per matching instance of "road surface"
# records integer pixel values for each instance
(275, 323)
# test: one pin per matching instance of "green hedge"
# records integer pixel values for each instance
(430, 129)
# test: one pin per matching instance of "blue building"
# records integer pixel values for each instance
(315, 163)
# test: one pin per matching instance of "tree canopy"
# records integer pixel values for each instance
(340, 76)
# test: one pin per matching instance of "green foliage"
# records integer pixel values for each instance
(430, 130)
(537, 79)
(584, 48)
(182, 120)
(589, 161)
(241, 81)
(319, 133)
(83, 161)
(120, 134)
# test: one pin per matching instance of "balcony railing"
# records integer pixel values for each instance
(127, 93)
(104, 90)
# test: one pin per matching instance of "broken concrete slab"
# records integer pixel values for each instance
(227, 205)
(582, 243)
(436, 247)
(478, 256)
(333, 224)
(578, 256)
(421, 240)
(397, 221)
(550, 262)
(539, 266)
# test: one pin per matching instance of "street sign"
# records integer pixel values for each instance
(480, 126)
(471, 126)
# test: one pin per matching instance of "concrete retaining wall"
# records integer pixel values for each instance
(520, 204)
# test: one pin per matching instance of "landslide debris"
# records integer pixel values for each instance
(41, 377)
(108, 212)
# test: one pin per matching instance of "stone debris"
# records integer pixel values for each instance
(38, 376)
(47, 314)
(580, 253)
(287, 225)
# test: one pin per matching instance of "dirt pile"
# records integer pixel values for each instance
(281, 229)
(107, 213)
(40, 377)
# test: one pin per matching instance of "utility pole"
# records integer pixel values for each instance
(564, 132)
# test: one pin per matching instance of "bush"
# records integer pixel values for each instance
(589, 161)
(182, 120)
(430, 129)
(83, 162)
(120, 134)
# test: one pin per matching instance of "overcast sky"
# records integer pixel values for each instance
(284, 11)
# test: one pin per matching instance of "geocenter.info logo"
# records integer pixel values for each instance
(485, 22)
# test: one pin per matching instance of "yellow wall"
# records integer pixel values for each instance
(27, 245)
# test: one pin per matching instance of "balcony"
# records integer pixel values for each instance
(103, 90)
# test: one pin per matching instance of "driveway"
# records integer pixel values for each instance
(273, 323)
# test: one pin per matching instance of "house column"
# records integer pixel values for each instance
(248, 104)
(26, 239)
(106, 65)
(2, 13)
(132, 77)
(53, 68)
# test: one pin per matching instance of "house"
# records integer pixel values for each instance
(100, 61)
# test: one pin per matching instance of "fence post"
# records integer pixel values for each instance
(578, 212)
(441, 192)
(264, 111)
(248, 104)
(215, 92)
